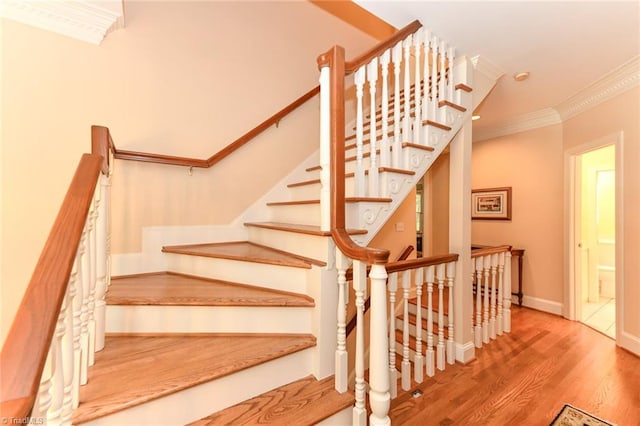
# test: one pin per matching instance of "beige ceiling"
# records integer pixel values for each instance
(565, 46)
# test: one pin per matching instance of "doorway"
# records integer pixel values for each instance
(594, 223)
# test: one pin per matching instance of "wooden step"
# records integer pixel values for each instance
(348, 200)
(435, 301)
(244, 251)
(170, 289)
(135, 369)
(300, 229)
(304, 402)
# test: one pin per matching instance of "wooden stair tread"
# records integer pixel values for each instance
(435, 301)
(305, 401)
(348, 200)
(244, 251)
(172, 289)
(134, 369)
(300, 229)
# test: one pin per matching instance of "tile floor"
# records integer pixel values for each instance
(601, 316)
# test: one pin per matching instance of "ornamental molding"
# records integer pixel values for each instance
(492, 71)
(86, 20)
(612, 84)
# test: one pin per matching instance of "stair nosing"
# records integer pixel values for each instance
(297, 228)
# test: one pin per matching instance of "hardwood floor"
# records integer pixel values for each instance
(526, 377)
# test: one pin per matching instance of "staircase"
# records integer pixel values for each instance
(243, 332)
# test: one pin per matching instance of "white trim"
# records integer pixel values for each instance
(84, 20)
(615, 82)
(465, 352)
(629, 342)
(543, 305)
(486, 67)
(533, 120)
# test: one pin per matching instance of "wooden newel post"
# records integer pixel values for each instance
(379, 397)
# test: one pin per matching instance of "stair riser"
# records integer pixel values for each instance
(207, 319)
(311, 246)
(309, 214)
(197, 402)
(265, 275)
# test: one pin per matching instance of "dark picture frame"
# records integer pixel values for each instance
(491, 203)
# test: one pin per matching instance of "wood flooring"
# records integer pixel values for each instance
(525, 378)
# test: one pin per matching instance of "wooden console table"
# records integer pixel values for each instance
(519, 253)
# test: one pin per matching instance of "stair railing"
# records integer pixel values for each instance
(60, 322)
(427, 66)
(491, 278)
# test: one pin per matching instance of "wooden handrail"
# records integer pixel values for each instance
(489, 250)
(102, 144)
(405, 253)
(26, 347)
(224, 152)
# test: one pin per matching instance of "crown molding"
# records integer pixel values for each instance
(486, 67)
(533, 120)
(615, 82)
(86, 20)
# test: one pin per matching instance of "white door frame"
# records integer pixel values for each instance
(571, 249)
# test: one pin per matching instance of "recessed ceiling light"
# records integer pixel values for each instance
(521, 76)
(475, 117)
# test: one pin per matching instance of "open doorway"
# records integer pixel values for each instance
(594, 291)
(594, 223)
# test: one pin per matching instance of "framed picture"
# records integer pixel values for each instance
(491, 203)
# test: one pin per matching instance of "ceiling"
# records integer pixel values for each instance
(566, 46)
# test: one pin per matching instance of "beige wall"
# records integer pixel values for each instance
(436, 184)
(183, 78)
(397, 240)
(531, 164)
(619, 114)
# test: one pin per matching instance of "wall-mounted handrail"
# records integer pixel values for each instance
(224, 152)
(26, 347)
(489, 250)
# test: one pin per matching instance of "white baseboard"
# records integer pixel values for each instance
(543, 305)
(465, 352)
(151, 258)
(630, 342)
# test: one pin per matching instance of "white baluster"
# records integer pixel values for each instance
(442, 90)
(325, 148)
(341, 358)
(426, 103)
(507, 292)
(500, 316)
(486, 266)
(379, 398)
(406, 363)
(68, 361)
(83, 276)
(431, 363)
(418, 361)
(372, 78)
(440, 356)
(450, 84)
(384, 141)
(417, 96)
(478, 329)
(396, 55)
(434, 77)
(77, 327)
(359, 285)
(492, 314)
(406, 119)
(43, 400)
(393, 372)
(102, 260)
(451, 274)
(91, 302)
(54, 414)
(359, 79)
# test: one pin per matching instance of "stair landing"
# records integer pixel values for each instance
(171, 289)
(134, 369)
(306, 401)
